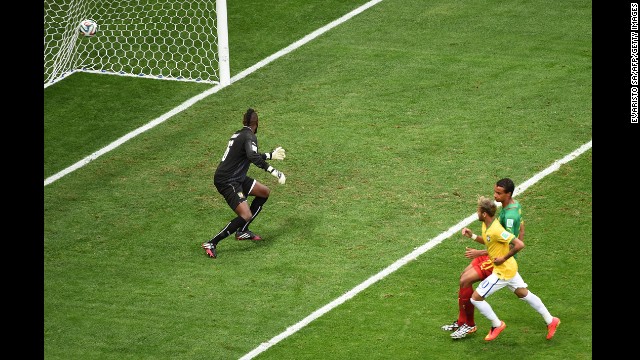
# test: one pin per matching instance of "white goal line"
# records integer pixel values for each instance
(185, 105)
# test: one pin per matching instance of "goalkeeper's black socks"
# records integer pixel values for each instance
(256, 206)
(231, 228)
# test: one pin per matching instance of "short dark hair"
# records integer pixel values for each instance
(507, 184)
(246, 120)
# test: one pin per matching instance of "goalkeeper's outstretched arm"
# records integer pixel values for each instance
(277, 154)
(278, 174)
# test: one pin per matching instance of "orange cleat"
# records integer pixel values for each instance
(495, 331)
(551, 328)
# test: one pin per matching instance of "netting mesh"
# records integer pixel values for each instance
(172, 40)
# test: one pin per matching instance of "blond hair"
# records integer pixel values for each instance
(487, 205)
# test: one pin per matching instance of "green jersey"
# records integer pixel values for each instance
(510, 218)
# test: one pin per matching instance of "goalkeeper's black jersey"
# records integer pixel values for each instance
(242, 150)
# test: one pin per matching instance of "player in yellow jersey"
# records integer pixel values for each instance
(481, 265)
(505, 270)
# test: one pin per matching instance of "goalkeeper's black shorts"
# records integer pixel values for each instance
(235, 193)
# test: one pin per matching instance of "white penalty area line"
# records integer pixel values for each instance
(187, 104)
(404, 260)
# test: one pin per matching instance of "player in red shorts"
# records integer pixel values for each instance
(481, 266)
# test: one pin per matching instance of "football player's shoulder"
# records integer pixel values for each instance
(518, 207)
(501, 231)
(253, 135)
(514, 208)
(248, 133)
(245, 134)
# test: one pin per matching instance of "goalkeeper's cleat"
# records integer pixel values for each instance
(463, 330)
(551, 328)
(210, 249)
(247, 235)
(451, 327)
(495, 331)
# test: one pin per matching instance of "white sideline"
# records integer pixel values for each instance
(404, 260)
(213, 90)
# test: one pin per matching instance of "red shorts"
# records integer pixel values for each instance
(483, 266)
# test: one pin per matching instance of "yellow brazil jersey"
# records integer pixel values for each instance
(497, 240)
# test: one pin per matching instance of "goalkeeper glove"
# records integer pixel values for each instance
(278, 174)
(277, 154)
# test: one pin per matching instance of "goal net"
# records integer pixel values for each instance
(160, 39)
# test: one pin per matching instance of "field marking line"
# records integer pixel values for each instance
(409, 257)
(187, 104)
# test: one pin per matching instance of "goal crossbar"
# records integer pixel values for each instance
(169, 40)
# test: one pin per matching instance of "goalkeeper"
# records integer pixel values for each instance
(232, 182)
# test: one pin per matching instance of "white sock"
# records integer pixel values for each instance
(486, 310)
(535, 302)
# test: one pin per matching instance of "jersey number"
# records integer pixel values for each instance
(226, 152)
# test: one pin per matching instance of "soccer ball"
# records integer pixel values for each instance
(87, 27)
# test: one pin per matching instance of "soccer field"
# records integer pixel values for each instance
(394, 121)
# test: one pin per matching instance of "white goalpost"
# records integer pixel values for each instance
(159, 39)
